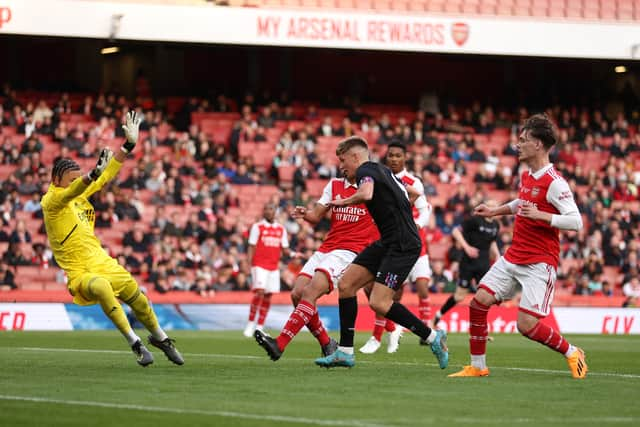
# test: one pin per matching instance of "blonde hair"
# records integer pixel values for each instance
(347, 144)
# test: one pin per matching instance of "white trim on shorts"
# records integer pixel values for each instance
(537, 281)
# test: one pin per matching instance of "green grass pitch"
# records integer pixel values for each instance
(91, 379)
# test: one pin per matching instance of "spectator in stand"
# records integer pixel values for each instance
(7, 277)
(15, 256)
(242, 176)
(631, 291)
(20, 234)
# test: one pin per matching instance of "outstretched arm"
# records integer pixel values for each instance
(131, 130)
(506, 209)
(310, 215)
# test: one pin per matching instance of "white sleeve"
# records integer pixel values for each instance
(559, 195)
(254, 234)
(327, 194)
(424, 211)
(285, 238)
(513, 205)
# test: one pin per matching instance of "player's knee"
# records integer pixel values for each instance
(380, 305)
(100, 288)
(295, 297)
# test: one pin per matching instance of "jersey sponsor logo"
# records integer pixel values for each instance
(348, 213)
(271, 241)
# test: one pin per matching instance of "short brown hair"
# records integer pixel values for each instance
(347, 144)
(539, 126)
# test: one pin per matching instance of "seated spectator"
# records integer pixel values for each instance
(15, 256)
(439, 279)
(181, 282)
(20, 234)
(631, 291)
(242, 176)
(131, 261)
(136, 239)
(7, 277)
(33, 204)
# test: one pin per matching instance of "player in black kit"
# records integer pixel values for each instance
(387, 262)
(478, 237)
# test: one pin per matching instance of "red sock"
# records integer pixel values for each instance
(255, 303)
(264, 308)
(548, 336)
(317, 329)
(378, 327)
(300, 317)
(478, 330)
(389, 326)
(424, 309)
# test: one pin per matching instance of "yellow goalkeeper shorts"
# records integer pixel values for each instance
(122, 282)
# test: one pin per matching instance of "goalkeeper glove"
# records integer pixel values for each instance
(101, 165)
(131, 131)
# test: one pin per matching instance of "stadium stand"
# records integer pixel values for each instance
(184, 204)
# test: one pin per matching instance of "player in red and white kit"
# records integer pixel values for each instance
(421, 272)
(544, 206)
(267, 241)
(352, 229)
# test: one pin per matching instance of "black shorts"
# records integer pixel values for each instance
(389, 264)
(471, 271)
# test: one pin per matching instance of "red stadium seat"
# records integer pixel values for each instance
(285, 173)
(315, 186)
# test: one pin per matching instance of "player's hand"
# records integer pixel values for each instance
(101, 165)
(299, 212)
(131, 130)
(529, 210)
(471, 251)
(483, 210)
(338, 201)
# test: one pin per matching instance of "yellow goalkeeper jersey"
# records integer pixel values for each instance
(69, 218)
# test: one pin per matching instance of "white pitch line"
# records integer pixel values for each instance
(341, 423)
(225, 414)
(367, 362)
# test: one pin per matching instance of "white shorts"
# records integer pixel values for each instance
(421, 270)
(267, 280)
(332, 264)
(537, 281)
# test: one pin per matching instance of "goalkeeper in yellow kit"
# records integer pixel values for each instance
(94, 276)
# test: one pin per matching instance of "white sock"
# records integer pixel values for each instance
(159, 334)
(479, 361)
(346, 350)
(572, 348)
(432, 336)
(131, 337)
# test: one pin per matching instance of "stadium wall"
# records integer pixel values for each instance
(216, 317)
(305, 28)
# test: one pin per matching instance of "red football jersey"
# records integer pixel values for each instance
(536, 241)
(412, 181)
(269, 239)
(352, 228)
